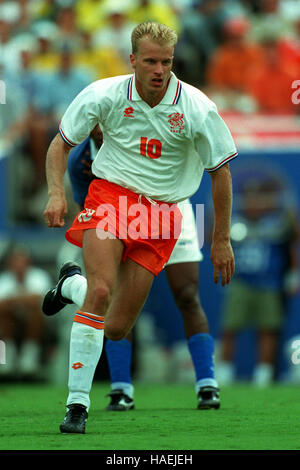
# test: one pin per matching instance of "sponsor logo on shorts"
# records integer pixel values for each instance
(86, 215)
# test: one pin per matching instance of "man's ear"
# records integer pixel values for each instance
(132, 60)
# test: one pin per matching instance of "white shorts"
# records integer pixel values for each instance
(187, 248)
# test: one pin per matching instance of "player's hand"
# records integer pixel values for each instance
(55, 211)
(222, 258)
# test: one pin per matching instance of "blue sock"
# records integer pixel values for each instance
(201, 347)
(119, 360)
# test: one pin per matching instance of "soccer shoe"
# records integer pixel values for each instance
(119, 401)
(74, 421)
(53, 300)
(208, 397)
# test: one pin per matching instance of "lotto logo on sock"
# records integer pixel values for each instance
(77, 365)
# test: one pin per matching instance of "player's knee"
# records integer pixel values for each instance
(114, 332)
(99, 294)
(187, 298)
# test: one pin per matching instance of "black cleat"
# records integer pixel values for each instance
(119, 401)
(208, 397)
(75, 419)
(53, 300)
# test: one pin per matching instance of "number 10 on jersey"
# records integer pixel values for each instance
(150, 148)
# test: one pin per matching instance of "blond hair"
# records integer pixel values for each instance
(158, 32)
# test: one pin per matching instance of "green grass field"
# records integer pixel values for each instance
(165, 418)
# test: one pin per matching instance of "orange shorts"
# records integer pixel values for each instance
(149, 229)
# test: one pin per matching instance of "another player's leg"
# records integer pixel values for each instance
(183, 279)
(269, 315)
(226, 367)
(134, 283)
(119, 354)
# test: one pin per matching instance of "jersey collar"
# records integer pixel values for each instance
(172, 95)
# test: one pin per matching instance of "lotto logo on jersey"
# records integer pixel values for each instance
(176, 122)
(128, 112)
(86, 215)
(77, 365)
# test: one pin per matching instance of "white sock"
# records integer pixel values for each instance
(85, 350)
(127, 388)
(74, 288)
(208, 382)
(263, 374)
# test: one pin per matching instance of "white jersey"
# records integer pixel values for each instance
(160, 152)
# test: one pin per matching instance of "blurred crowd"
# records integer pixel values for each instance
(245, 54)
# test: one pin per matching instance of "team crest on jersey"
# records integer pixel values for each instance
(128, 112)
(176, 122)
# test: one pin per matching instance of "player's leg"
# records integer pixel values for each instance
(226, 368)
(268, 318)
(72, 288)
(134, 283)
(237, 310)
(183, 279)
(116, 291)
(263, 374)
(119, 355)
(102, 258)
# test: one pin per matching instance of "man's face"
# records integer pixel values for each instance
(152, 65)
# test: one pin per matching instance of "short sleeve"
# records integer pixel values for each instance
(80, 118)
(213, 141)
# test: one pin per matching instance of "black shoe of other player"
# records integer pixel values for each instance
(208, 397)
(119, 401)
(75, 419)
(53, 300)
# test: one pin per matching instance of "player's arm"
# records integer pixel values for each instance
(56, 164)
(221, 251)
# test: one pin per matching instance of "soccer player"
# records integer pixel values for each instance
(159, 135)
(182, 274)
